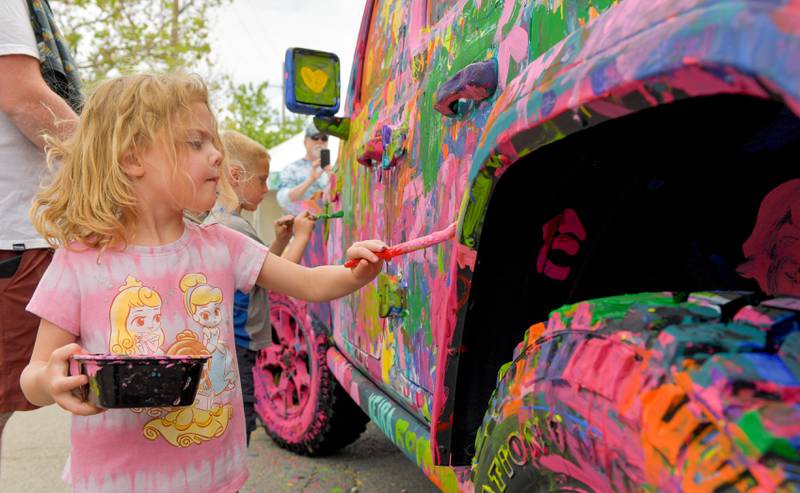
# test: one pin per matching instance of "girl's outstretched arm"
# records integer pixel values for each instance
(46, 379)
(323, 283)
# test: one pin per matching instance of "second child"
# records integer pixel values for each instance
(247, 173)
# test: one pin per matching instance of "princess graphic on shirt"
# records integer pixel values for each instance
(203, 304)
(136, 320)
(202, 421)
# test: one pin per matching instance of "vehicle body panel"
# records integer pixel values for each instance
(563, 67)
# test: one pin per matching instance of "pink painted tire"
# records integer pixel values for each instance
(649, 392)
(301, 404)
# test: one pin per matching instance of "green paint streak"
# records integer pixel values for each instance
(440, 259)
(347, 201)
(603, 5)
(365, 197)
(477, 34)
(431, 124)
(615, 307)
(549, 26)
(479, 200)
(332, 215)
(448, 479)
(473, 34)
(547, 29)
(94, 387)
(338, 127)
(428, 332)
(373, 121)
(445, 475)
(503, 370)
(753, 426)
(418, 305)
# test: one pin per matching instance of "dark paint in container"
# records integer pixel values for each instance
(117, 381)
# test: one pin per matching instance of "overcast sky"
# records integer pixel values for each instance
(250, 37)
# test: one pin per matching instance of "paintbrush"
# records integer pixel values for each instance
(332, 215)
(411, 246)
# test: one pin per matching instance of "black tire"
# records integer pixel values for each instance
(650, 392)
(302, 406)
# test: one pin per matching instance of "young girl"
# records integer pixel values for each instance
(145, 150)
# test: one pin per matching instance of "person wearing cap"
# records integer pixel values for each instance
(305, 178)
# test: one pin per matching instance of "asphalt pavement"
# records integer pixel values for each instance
(36, 445)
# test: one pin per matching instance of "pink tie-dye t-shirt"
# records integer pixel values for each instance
(158, 300)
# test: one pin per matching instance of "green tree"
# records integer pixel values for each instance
(249, 111)
(111, 37)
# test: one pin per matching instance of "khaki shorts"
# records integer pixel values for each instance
(18, 327)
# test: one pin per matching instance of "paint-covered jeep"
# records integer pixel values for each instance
(618, 307)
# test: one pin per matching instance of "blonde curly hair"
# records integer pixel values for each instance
(90, 199)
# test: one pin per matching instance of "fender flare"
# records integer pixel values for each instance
(620, 64)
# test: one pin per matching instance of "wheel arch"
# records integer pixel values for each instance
(539, 108)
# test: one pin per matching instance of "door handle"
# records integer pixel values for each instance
(386, 148)
(475, 82)
(372, 152)
(394, 145)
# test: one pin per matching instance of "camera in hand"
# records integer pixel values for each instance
(324, 158)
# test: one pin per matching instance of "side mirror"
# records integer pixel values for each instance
(311, 82)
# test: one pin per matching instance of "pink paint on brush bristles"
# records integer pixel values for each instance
(412, 246)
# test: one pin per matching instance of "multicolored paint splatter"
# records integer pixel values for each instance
(665, 411)
(648, 392)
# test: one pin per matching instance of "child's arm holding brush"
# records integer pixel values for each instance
(302, 228)
(413, 245)
(326, 282)
(283, 233)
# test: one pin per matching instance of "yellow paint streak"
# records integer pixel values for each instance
(391, 92)
(387, 354)
(369, 311)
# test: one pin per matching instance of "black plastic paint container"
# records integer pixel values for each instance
(117, 381)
